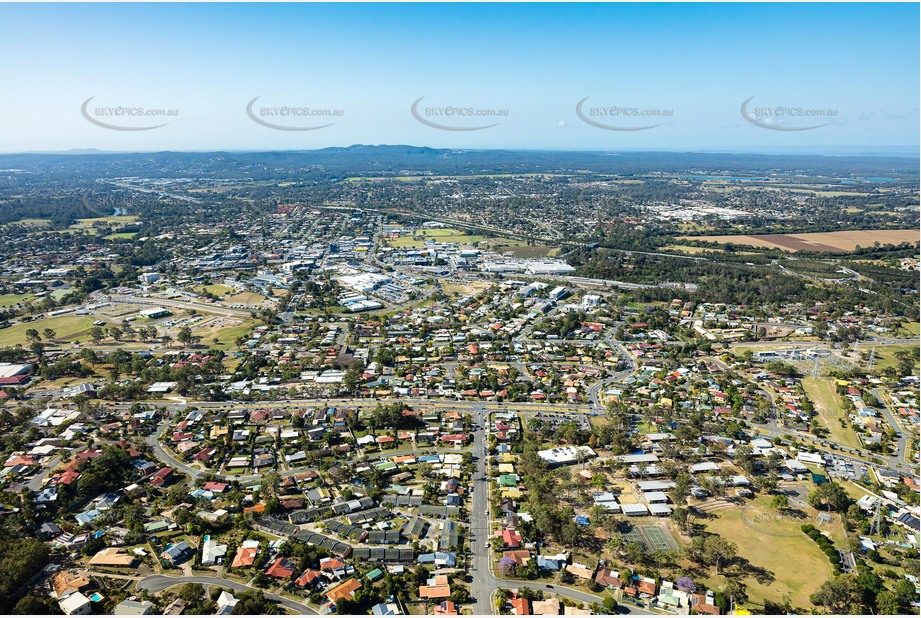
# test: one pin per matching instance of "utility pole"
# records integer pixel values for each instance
(875, 525)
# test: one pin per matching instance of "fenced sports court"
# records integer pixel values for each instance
(659, 539)
(651, 538)
(635, 536)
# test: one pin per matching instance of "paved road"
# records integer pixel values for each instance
(484, 580)
(902, 453)
(35, 483)
(859, 456)
(154, 439)
(593, 393)
(156, 583)
(370, 403)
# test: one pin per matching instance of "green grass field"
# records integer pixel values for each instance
(111, 220)
(225, 331)
(227, 336)
(11, 300)
(885, 355)
(440, 231)
(120, 235)
(232, 296)
(437, 234)
(777, 544)
(244, 298)
(218, 289)
(690, 226)
(828, 405)
(68, 328)
(33, 222)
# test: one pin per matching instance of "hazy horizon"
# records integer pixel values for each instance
(844, 151)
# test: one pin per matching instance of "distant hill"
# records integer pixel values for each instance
(392, 160)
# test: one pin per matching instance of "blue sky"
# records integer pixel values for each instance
(855, 66)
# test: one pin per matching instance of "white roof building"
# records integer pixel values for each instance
(660, 509)
(705, 466)
(226, 603)
(813, 458)
(161, 387)
(76, 604)
(211, 552)
(566, 455)
(9, 370)
(155, 312)
(633, 510)
(131, 607)
(653, 486)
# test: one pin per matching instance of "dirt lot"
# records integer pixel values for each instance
(820, 241)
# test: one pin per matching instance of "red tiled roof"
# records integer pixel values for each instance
(434, 592)
(282, 568)
(20, 460)
(511, 538)
(699, 604)
(345, 590)
(521, 606)
(646, 587)
(330, 564)
(245, 557)
(446, 608)
(307, 577)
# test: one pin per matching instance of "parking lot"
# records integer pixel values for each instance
(844, 469)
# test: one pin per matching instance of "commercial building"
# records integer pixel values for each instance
(155, 312)
(564, 455)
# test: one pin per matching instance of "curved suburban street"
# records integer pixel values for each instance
(158, 583)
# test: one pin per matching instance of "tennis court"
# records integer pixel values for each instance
(659, 539)
(635, 536)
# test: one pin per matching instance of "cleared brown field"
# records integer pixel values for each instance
(817, 241)
(529, 251)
